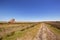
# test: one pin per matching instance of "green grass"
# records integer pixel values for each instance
(19, 33)
(54, 29)
(13, 37)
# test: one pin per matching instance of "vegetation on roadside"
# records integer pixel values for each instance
(54, 29)
(12, 32)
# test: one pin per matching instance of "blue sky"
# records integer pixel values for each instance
(29, 10)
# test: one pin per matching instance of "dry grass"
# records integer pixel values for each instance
(54, 24)
(55, 31)
(14, 31)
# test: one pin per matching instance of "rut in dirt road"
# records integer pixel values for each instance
(44, 33)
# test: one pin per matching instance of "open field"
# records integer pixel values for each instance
(54, 24)
(30, 31)
(18, 30)
(55, 28)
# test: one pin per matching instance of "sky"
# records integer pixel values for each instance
(30, 10)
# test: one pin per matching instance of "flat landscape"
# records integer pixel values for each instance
(29, 19)
(30, 31)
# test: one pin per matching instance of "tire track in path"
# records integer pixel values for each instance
(44, 33)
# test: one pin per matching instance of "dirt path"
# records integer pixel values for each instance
(44, 33)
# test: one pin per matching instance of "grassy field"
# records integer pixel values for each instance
(55, 28)
(25, 31)
(18, 31)
(54, 24)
